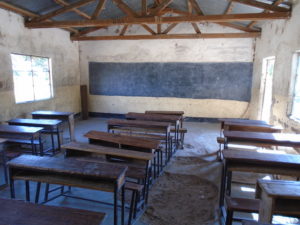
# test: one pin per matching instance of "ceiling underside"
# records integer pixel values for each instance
(157, 17)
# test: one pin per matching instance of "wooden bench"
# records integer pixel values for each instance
(69, 172)
(240, 205)
(15, 212)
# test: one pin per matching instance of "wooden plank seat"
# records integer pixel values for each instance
(15, 212)
(240, 205)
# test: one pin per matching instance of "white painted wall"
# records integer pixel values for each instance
(53, 43)
(280, 39)
(192, 50)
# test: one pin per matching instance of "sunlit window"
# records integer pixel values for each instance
(32, 78)
(296, 91)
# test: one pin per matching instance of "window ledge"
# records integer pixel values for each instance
(295, 119)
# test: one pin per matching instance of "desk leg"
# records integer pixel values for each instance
(11, 185)
(123, 205)
(58, 138)
(41, 145)
(71, 127)
(27, 190)
(223, 184)
(116, 205)
(52, 142)
(265, 209)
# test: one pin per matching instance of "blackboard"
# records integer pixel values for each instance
(229, 81)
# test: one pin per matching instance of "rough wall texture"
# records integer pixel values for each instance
(53, 43)
(280, 39)
(201, 50)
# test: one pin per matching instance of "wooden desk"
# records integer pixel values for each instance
(278, 196)
(151, 126)
(128, 142)
(234, 126)
(69, 172)
(50, 126)
(13, 133)
(243, 121)
(257, 223)
(122, 141)
(15, 212)
(64, 116)
(271, 139)
(173, 119)
(176, 113)
(256, 162)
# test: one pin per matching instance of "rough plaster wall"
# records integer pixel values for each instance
(200, 50)
(280, 39)
(53, 43)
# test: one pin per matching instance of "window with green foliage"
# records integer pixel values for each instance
(296, 91)
(32, 78)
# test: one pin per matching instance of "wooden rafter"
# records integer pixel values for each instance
(87, 31)
(262, 5)
(62, 10)
(222, 23)
(169, 28)
(168, 36)
(161, 20)
(277, 2)
(229, 8)
(132, 14)
(190, 9)
(144, 8)
(99, 8)
(79, 12)
(124, 29)
(161, 6)
(27, 13)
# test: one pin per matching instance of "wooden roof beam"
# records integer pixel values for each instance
(229, 7)
(79, 12)
(27, 13)
(157, 20)
(168, 36)
(190, 9)
(99, 9)
(261, 5)
(62, 10)
(131, 13)
(277, 2)
(162, 5)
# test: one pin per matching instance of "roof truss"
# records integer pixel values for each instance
(160, 13)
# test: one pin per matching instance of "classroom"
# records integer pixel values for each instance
(149, 112)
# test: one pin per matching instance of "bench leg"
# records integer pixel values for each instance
(132, 205)
(52, 142)
(12, 188)
(27, 190)
(116, 206)
(46, 192)
(37, 194)
(123, 205)
(229, 217)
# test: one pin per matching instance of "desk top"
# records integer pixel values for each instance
(2, 140)
(123, 140)
(153, 117)
(279, 188)
(139, 123)
(52, 113)
(229, 123)
(77, 146)
(14, 212)
(178, 113)
(245, 222)
(68, 166)
(259, 158)
(34, 122)
(236, 120)
(11, 129)
(282, 139)
(234, 126)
